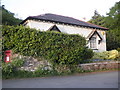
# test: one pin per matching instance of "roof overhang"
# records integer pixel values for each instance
(60, 22)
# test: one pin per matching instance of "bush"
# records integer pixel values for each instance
(57, 47)
(118, 49)
(106, 55)
(113, 54)
(10, 68)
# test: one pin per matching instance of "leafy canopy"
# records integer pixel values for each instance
(111, 21)
(8, 17)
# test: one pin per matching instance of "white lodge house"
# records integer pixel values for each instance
(95, 35)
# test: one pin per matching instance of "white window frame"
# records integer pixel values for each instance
(93, 42)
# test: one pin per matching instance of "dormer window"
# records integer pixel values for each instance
(94, 39)
(54, 28)
(25, 23)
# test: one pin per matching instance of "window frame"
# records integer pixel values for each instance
(93, 42)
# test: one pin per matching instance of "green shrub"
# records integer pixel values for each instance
(8, 69)
(101, 55)
(118, 57)
(118, 49)
(40, 72)
(59, 48)
(106, 55)
(113, 54)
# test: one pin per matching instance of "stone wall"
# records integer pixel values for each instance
(100, 65)
(32, 64)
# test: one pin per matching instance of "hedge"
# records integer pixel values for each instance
(57, 47)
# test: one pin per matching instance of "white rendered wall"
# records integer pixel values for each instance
(69, 29)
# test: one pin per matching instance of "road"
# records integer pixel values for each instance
(91, 80)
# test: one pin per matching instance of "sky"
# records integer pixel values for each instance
(79, 9)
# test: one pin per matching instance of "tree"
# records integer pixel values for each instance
(8, 17)
(113, 17)
(113, 39)
(111, 21)
(97, 19)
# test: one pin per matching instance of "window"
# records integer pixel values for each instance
(95, 40)
(54, 28)
(93, 43)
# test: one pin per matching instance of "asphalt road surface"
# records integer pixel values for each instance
(89, 80)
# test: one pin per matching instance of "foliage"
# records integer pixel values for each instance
(64, 70)
(8, 17)
(41, 72)
(113, 17)
(97, 19)
(111, 21)
(106, 55)
(113, 39)
(59, 48)
(118, 49)
(8, 69)
(67, 69)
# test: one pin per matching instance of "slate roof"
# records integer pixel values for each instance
(63, 19)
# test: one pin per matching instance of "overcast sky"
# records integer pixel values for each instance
(78, 9)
